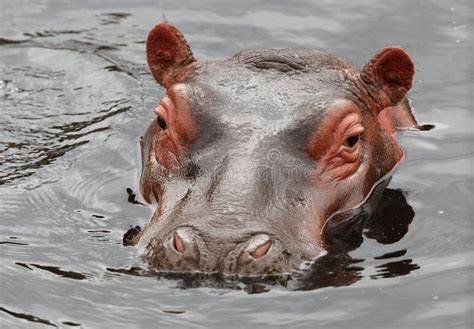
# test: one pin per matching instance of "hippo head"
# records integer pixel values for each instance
(249, 158)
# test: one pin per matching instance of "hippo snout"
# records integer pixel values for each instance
(185, 250)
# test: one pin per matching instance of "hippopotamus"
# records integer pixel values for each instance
(254, 161)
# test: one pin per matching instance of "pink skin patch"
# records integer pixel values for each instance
(336, 143)
(397, 117)
(168, 55)
(180, 129)
(262, 250)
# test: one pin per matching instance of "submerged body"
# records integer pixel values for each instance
(256, 160)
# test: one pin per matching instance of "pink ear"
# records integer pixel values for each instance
(391, 70)
(168, 54)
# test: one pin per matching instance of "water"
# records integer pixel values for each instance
(75, 95)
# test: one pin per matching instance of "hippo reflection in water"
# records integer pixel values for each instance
(259, 162)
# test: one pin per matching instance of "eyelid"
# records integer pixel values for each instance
(160, 111)
(349, 152)
(349, 126)
(165, 110)
(349, 121)
(356, 129)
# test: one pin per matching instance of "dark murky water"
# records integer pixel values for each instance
(75, 95)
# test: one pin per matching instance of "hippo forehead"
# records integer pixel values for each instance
(279, 88)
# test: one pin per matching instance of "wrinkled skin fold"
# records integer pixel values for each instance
(254, 162)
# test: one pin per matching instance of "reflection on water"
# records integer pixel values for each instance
(75, 95)
(29, 317)
(388, 224)
(55, 270)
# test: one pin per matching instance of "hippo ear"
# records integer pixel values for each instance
(391, 70)
(168, 54)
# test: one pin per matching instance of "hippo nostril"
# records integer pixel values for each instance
(178, 243)
(183, 250)
(257, 247)
(261, 250)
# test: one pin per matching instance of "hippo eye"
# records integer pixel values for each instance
(161, 122)
(352, 141)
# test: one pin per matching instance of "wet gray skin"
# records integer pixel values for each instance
(246, 197)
